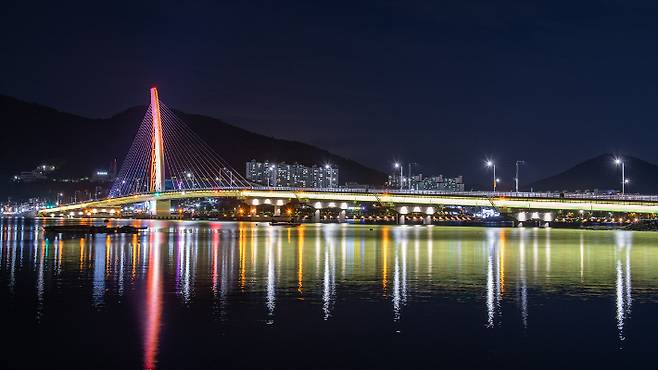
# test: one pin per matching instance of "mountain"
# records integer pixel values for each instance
(34, 134)
(603, 174)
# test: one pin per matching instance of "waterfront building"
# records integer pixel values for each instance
(420, 182)
(283, 174)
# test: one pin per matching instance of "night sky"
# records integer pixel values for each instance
(441, 83)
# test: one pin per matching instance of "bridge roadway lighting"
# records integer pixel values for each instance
(490, 163)
(619, 161)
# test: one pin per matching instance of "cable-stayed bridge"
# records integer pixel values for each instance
(168, 161)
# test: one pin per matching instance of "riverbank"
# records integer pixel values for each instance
(641, 225)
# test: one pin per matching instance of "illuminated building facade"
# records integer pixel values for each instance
(420, 182)
(292, 175)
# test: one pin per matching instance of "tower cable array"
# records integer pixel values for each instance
(189, 162)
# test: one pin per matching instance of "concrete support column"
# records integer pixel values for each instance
(277, 210)
(316, 216)
(402, 212)
(427, 220)
(159, 208)
(342, 216)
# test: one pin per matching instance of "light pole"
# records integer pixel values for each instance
(269, 174)
(398, 165)
(516, 179)
(328, 168)
(409, 176)
(624, 180)
(490, 163)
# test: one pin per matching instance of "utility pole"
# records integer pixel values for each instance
(516, 179)
(409, 176)
(623, 179)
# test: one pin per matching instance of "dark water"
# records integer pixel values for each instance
(202, 295)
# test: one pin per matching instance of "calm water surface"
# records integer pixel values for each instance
(204, 295)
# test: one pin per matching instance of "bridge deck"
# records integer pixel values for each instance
(544, 201)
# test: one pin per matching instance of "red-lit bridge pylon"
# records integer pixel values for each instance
(166, 155)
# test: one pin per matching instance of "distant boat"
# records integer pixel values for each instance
(89, 229)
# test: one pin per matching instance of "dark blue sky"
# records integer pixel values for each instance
(442, 83)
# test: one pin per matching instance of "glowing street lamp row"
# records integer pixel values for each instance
(490, 164)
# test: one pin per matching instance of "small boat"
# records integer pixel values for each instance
(90, 229)
(285, 223)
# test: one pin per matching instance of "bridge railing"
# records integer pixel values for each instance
(489, 194)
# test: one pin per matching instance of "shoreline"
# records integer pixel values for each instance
(643, 225)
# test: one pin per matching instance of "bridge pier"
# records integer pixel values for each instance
(427, 220)
(277, 210)
(316, 216)
(539, 219)
(402, 212)
(429, 212)
(341, 216)
(159, 208)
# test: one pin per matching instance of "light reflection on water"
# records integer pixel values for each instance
(234, 268)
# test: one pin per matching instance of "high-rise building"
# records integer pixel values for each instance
(292, 175)
(420, 182)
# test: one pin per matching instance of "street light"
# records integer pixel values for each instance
(624, 180)
(409, 176)
(269, 174)
(490, 163)
(398, 165)
(328, 168)
(516, 179)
